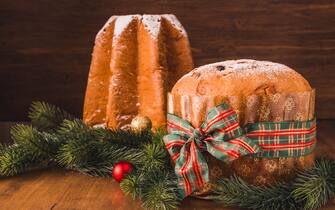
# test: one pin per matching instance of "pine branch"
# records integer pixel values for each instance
(52, 143)
(78, 144)
(123, 137)
(40, 143)
(103, 169)
(2, 148)
(86, 151)
(16, 159)
(157, 136)
(94, 151)
(101, 164)
(154, 157)
(47, 117)
(74, 130)
(132, 185)
(160, 192)
(234, 191)
(24, 134)
(77, 129)
(157, 190)
(316, 186)
(121, 153)
(31, 148)
(76, 152)
(29, 137)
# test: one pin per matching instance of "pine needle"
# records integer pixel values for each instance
(157, 136)
(46, 117)
(86, 151)
(2, 148)
(16, 159)
(234, 191)
(155, 157)
(159, 191)
(132, 185)
(42, 144)
(316, 186)
(123, 137)
(24, 134)
(103, 160)
(156, 189)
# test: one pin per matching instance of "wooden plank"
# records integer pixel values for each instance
(46, 45)
(57, 189)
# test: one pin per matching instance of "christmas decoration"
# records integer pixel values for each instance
(69, 143)
(141, 123)
(121, 169)
(222, 137)
(267, 102)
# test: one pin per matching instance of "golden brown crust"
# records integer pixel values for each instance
(95, 104)
(240, 77)
(122, 93)
(258, 91)
(136, 60)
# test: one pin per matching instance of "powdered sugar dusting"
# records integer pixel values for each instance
(152, 24)
(101, 125)
(249, 68)
(243, 68)
(175, 22)
(121, 24)
(107, 24)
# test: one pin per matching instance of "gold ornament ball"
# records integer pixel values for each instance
(141, 123)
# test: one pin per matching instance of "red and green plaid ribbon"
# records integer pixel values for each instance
(222, 137)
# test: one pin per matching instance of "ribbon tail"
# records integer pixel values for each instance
(191, 169)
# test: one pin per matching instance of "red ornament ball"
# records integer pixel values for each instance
(121, 169)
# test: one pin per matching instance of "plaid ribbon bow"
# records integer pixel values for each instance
(222, 137)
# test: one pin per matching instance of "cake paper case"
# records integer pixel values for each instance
(296, 106)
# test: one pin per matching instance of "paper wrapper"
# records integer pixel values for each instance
(250, 109)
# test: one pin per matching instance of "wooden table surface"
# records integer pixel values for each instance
(59, 189)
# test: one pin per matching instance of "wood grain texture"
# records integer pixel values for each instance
(45, 45)
(64, 190)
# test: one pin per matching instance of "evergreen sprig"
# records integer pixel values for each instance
(157, 189)
(123, 137)
(2, 148)
(46, 117)
(132, 185)
(160, 191)
(16, 159)
(311, 189)
(154, 157)
(233, 191)
(39, 143)
(316, 186)
(78, 144)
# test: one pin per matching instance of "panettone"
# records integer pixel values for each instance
(259, 91)
(136, 60)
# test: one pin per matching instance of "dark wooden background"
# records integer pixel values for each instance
(45, 45)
